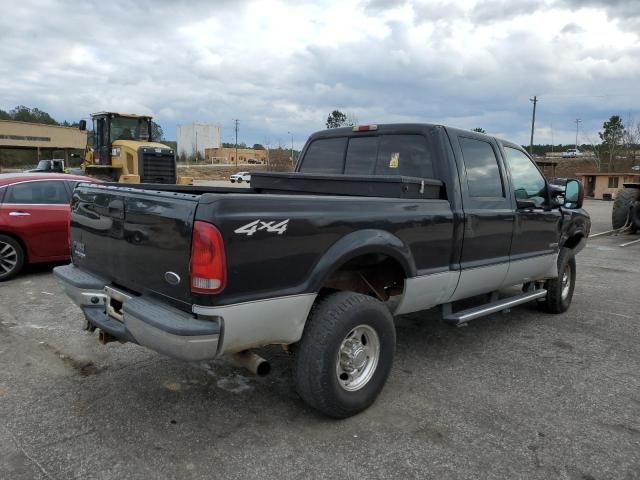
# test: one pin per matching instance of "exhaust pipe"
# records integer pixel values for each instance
(104, 337)
(252, 362)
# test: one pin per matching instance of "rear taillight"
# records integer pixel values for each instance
(208, 263)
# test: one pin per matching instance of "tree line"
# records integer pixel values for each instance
(33, 115)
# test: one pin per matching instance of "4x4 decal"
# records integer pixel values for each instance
(258, 225)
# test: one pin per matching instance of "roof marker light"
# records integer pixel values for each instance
(364, 128)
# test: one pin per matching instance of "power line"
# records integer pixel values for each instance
(603, 95)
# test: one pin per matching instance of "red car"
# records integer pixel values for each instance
(34, 219)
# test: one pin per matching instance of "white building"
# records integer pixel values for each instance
(195, 137)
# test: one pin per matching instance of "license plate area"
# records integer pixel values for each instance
(115, 303)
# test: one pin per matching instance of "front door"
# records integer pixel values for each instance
(537, 230)
(489, 217)
(590, 186)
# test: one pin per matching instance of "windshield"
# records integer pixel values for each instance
(123, 128)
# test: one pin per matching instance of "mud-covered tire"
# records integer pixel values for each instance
(560, 290)
(623, 208)
(11, 257)
(320, 354)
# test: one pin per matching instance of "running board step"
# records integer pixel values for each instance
(464, 316)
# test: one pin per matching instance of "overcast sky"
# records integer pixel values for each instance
(282, 66)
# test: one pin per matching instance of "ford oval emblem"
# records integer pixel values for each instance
(172, 278)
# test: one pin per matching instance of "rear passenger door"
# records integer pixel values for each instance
(488, 216)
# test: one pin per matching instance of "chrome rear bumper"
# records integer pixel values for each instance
(144, 321)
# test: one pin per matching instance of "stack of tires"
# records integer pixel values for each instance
(626, 209)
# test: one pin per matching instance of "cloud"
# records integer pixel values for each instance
(626, 12)
(572, 28)
(282, 66)
(491, 11)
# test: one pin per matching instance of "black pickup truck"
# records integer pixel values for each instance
(377, 221)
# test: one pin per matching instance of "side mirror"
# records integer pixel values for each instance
(573, 194)
(82, 125)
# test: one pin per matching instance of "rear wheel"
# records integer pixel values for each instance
(11, 257)
(345, 354)
(560, 290)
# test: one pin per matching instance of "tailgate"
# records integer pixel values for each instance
(137, 239)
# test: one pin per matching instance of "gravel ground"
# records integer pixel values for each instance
(517, 395)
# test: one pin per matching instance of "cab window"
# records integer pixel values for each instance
(528, 182)
(481, 165)
(325, 156)
(408, 155)
(361, 156)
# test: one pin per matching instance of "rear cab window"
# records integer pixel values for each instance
(407, 155)
(325, 155)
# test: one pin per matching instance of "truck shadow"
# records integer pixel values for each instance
(218, 399)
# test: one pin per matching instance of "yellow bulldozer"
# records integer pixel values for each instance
(122, 149)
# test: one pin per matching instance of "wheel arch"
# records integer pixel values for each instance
(575, 240)
(17, 238)
(363, 248)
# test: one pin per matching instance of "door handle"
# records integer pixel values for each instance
(19, 214)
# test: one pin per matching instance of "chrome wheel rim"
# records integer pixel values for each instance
(566, 282)
(358, 358)
(8, 258)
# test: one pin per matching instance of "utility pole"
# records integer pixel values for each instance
(533, 122)
(236, 122)
(578, 121)
(292, 162)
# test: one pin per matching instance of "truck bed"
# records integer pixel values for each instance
(135, 235)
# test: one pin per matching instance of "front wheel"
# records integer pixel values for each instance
(11, 257)
(560, 290)
(345, 354)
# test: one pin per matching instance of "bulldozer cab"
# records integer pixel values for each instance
(109, 127)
